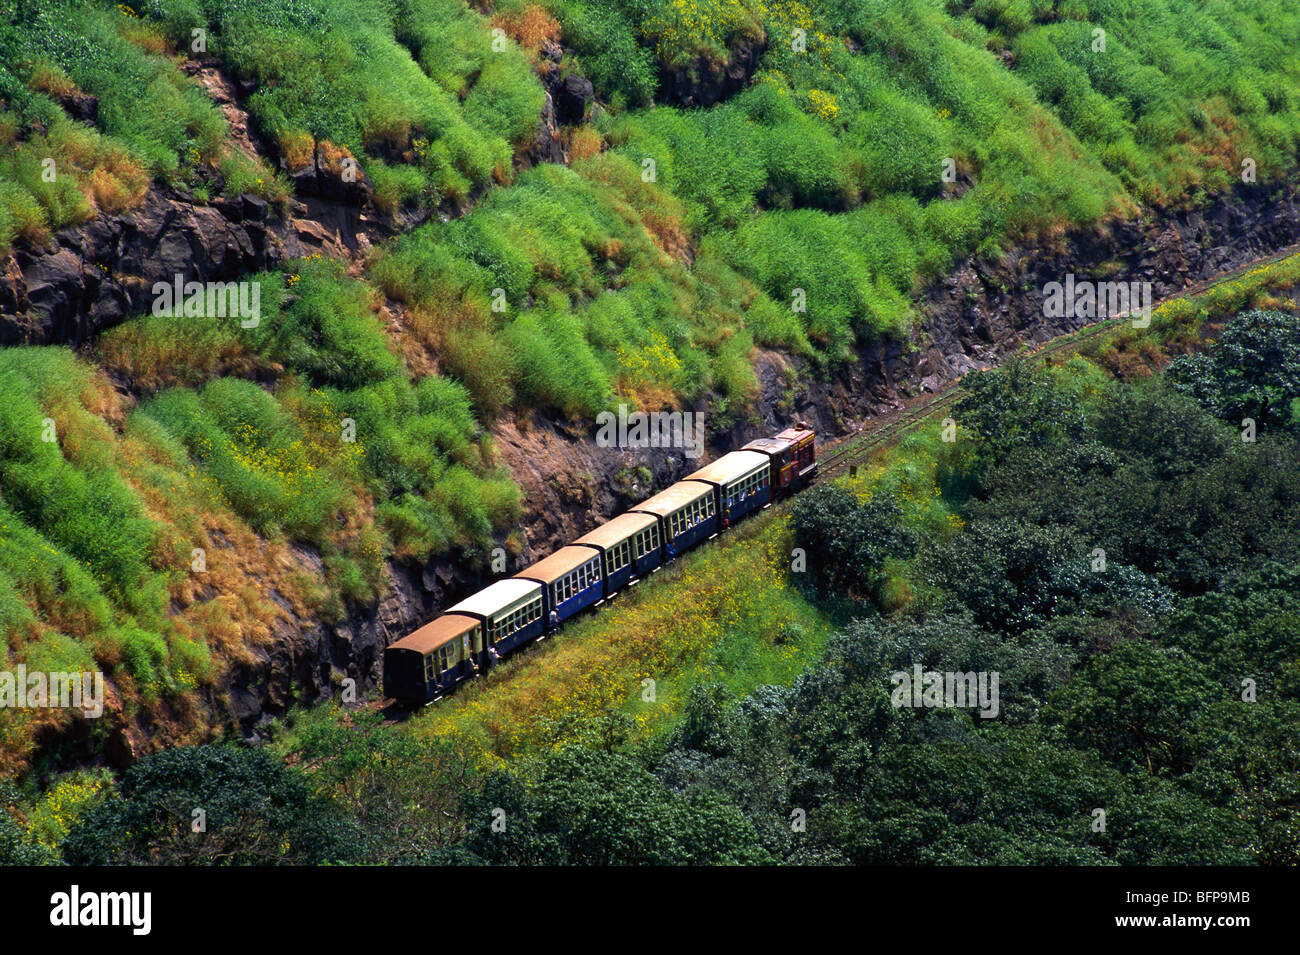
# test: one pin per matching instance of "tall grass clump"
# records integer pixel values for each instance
(413, 85)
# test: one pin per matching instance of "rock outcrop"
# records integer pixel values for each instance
(97, 274)
(706, 80)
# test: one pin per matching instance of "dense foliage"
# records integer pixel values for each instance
(211, 806)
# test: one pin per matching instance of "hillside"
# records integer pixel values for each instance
(756, 723)
(474, 227)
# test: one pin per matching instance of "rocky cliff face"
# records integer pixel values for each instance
(94, 276)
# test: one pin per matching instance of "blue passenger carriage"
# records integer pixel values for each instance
(687, 512)
(434, 658)
(510, 610)
(571, 580)
(630, 547)
(742, 482)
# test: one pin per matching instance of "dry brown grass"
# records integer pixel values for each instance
(111, 179)
(413, 334)
(530, 26)
(331, 157)
(109, 193)
(649, 395)
(298, 149)
(153, 362)
(659, 212)
(584, 142)
(148, 36)
(48, 78)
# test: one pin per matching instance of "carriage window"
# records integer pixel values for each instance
(693, 514)
(616, 557)
(647, 542)
(430, 668)
(748, 485)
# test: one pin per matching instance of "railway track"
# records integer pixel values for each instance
(886, 428)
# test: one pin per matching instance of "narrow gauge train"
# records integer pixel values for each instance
(505, 615)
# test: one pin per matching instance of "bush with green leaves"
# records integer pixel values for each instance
(1251, 371)
(847, 541)
(255, 811)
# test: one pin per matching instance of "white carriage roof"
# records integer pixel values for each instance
(730, 467)
(674, 497)
(498, 596)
